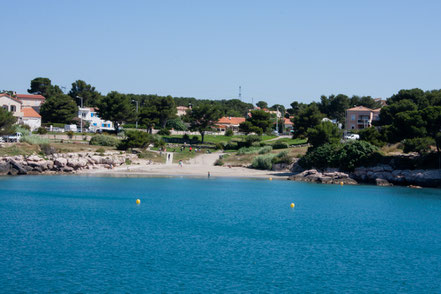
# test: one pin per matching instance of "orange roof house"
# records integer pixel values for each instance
(229, 122)
(30, 112)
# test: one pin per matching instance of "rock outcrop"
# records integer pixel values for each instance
(315, 176)
(419, 177)
(381, 175)
(60, 163)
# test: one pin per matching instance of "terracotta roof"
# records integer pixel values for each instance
(10, 97)
(288, 121)
(359, 108)
(231, 120)
(30, 96)
(30, 112)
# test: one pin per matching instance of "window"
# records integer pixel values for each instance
(103, 125)
(13, 108)
(5, 107)
(352, 116)
(352, 127)
(91, 114)
(83, 115)
(94, 124)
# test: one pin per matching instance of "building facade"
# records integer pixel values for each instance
(95, 122)
(24, 114)
(33, 101)
(361, 117)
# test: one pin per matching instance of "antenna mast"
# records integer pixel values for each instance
(240, 93)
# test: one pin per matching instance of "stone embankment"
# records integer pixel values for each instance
(60, 163)
(381, 175)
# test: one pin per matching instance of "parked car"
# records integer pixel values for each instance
(13, 138)
(352, 137)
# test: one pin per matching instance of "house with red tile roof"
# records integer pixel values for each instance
(30, 100)
(31, 118)
(25, 115)
(229, 122)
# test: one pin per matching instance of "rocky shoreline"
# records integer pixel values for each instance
(381, 175)
(61, 163)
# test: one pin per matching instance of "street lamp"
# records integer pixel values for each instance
(136, 101)
(81, 113)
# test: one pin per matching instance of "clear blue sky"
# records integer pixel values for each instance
(278, 51)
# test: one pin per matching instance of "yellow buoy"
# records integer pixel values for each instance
(270, 179)
(292, 205)
(138, 201)
(341, 183)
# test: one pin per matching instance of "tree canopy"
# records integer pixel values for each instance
(58, 108)
(203, 117)
(308, 117)
(259, 122)
(115, 107)
(43, 86)
(324, 133)
(81, 89)
(6, 121)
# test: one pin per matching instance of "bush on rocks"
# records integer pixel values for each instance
(343, 156)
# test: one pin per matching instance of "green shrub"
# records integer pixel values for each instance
(186, 137)
(101, 150)
(135, 139)
(104, 140)
(176, 124)
(164, 132)
(231, 146)
(219, 162)
(41, 131)
(282, 157)
(265, 149)
(70, 134)
(220, 146)
(372, 135)
(420, 145)
(128, 161)
(344, 156)
(263, 162)
(34, 140)
(47, 149)
(229, 132)
(280, 145)
(247, 150)
(195, 139)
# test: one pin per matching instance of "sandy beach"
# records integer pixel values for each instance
(199, 166)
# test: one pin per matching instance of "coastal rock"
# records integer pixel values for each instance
(60, 162)
(18, 167)
(382, 182)
(325, 178)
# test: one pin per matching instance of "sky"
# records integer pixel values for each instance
(277, 51)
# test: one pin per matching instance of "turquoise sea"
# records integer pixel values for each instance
(78, 234)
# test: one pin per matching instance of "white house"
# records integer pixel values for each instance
(25, 115)
(95, 123)
(11, 104)
(31, 118)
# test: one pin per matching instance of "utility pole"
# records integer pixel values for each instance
(136, 101)
(277, 120)
(240, 93)
(81, 113)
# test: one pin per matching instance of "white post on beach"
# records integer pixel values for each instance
(81, 113)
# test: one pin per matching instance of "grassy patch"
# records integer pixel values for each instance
(153, 156)
(19, 149)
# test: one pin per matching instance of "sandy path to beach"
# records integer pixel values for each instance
(198, 166)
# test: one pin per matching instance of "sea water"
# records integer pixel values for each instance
(78, 234)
